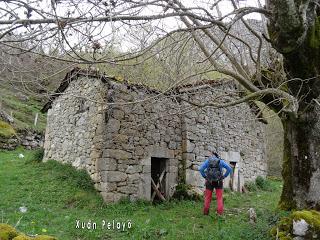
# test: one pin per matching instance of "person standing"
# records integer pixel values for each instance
(212, 170)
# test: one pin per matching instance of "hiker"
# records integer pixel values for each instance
(211, 170)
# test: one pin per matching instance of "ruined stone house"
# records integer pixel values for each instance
(125, 134)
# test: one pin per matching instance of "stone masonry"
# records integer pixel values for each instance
(113, 130)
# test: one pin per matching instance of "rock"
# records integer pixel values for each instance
(22, 237)
(133, 177)
(128, 189)
(7, 232)
(300, 227)
(117, 154)
(190, 146)
(109, 164)
(108, 187)
(6, 117)
(107, 196)
(118, 114)
(119, 196)
(298, 238)
(113, 125)
(115, 176)
(22, 97)
(29, 138)
(252, 215)
(134, 169)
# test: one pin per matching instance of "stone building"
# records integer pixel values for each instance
(125, 134)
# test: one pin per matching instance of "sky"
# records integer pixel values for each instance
(120, 37)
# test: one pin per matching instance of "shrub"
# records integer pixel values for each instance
(263, 183)
(38, 155)
(184, 192)
(227, 190)
(251, 186)
(181, 191)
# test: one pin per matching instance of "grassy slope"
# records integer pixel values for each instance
(55, 200)
(22, 112)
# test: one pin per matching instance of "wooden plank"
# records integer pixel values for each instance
(157, 190)
(158, 184)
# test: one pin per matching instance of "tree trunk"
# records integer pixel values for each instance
(301, 163)
(294, 29)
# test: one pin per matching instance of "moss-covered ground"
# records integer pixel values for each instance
(55, 197)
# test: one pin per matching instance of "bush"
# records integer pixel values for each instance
(251, 186)
(262, 183)
(259, 184)
(184, 192)
(36, 157)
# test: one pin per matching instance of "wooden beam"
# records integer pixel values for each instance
(157, 190)
(158, 184)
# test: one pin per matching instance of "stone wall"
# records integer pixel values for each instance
(134, 134)
(114, 130)
(234, 132)
(26, 138)
(74, 132)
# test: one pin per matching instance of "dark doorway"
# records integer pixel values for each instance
(158, 175)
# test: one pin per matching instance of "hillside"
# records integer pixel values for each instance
(54, 196)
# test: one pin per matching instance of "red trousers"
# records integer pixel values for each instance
(207, 201)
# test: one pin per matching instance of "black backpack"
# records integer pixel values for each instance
(214, 173)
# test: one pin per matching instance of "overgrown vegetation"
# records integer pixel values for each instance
(6, 130)
(23, 112)
(184, 192)
(56, 196)
(260, 183)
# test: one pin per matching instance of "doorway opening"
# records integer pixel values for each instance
(158, 179)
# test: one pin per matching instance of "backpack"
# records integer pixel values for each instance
(214, 173)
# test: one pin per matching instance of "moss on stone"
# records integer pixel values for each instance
(285, 238)
(22, 237)
(6, 130)
(312, 217)
(44, 237)
(314, 35)
(7, 232)
(284, 228)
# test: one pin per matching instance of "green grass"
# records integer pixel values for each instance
(57, 195)
(22, 112)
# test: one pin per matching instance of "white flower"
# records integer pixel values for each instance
(23, 209)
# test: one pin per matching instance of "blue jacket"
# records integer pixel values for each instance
(222, 164)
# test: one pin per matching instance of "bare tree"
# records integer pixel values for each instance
(287, 80)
